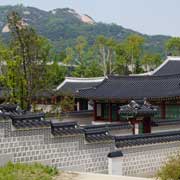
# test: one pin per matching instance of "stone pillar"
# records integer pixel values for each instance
(115, 163)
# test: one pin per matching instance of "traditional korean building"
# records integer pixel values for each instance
(71, 84)
(160, 87)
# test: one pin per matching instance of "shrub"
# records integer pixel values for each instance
(33, 171)
(67, 103)
(171, 170)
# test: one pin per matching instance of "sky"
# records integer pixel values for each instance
(146, 16)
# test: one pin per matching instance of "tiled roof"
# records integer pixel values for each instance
(165, 122)
(65, 128)
(108, 127)
(8, 108)
(93, 133)
(134, 87)
(143, 139)
(71, 85)
(29, 123)
(26, 121)
(22, 119)
(135, 109)
(171, 67)
(96, 135)
(27, 115)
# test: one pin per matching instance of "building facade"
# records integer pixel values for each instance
(160, 87)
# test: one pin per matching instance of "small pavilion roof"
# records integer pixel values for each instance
(72, 84)
(135, 108)
(134, 87)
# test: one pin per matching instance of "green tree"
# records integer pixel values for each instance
(173, 46)
(10, 73)
(151, 61)
(106, 54)
(69, 59)
(32, 52)
(133, 45)
(56, 74)
(80, 47)
(93, 69)
(122, 60)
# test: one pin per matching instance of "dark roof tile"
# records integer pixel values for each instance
(135, 140)
(65, 128)
(171, 67)
(134, 87)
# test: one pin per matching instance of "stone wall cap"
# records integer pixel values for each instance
(115, 154)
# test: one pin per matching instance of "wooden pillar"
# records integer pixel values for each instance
(75, 104)
(110, 112)
(117, 112)
(95, 110)
(147, 124)
(54, 99)
(163, 110)
(133, 125)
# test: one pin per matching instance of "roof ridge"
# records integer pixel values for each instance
(79, 80)
(93, 87)
(143, 77)
(83, 79)
(153, 135)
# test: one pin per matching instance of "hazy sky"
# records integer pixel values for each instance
(146, 16)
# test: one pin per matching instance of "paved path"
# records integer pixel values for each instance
(89, 176)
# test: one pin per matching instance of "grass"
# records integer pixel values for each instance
(34, 171)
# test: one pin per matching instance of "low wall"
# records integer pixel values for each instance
(38, 145)
(75, 153)
(145, 161)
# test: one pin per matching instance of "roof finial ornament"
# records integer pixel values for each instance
(169, 54)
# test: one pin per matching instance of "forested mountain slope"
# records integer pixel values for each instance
(63, 26)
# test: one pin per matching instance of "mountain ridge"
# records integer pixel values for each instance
(63, 25)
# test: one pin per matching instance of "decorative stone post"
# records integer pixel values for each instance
(115, 163)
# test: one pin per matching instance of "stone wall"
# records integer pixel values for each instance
(38, 145)
(76, 154)
(146, 160)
